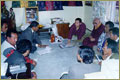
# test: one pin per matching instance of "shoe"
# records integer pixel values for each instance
(63, 75)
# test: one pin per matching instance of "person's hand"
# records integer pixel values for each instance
(42, 46)
(34, 63)
(34, 75)
(92, 39)
(68, 42)
(100, 63)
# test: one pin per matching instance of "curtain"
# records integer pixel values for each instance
(105, 10)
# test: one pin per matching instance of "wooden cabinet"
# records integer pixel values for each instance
(63, 29)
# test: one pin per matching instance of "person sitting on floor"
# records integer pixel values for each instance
(92, 40)
(8, 45)
(106, 34)
(25, 51)
(31, 34)
(4, 28)
(20, 57)
(78, 29)
(85, 56)
(110, 50)
(114, 34)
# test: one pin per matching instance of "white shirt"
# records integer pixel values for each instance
(108, 57)
(4, 46)
(32, 30)
(117, 39)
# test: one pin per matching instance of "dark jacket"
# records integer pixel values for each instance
(33, 37)
(18, 59)
(77, 71)
(15, 59)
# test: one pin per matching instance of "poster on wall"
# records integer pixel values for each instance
(72, 3)
(88, 3)
(31, 14)
(49, 5)
(41, 5)
(57, 5)
(16, 4)
(31, 3)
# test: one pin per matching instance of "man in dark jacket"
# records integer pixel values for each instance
(31, 34)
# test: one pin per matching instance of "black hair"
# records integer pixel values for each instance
(11, 8)
(115, 31)
(34, 24)
(87, 54)
(23, 45)
(112, 45)
(110, 23)
(79, 19)
(10, 31)
(3, 22)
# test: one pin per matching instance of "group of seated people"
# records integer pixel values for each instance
(16, 47)
(103, 42)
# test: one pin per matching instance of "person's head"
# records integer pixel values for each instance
(108, 25)
(12, 36)
(34, 25)
(4, 26)
(78, 22)
(110, 47)
(24, 47)
(11, 9)
(32, 16)
(114, 33)
(96, 22)
(85, 54)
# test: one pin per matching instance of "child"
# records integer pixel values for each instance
(24, 47)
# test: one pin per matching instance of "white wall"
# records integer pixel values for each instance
(88, 17)
(19, 13)
(68, 14)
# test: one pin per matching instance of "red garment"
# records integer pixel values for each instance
(95, 34)
(80, 32)
(2, 3)
(28, 60)
(71, 3)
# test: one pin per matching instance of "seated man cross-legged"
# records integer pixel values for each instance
(78, 29)
(92, 40)
(106, 34)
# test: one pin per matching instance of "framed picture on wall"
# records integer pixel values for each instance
(31, 14)
(88, 3)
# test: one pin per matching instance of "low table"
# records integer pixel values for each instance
(45, 30)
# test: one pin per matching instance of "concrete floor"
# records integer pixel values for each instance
(52, 65)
